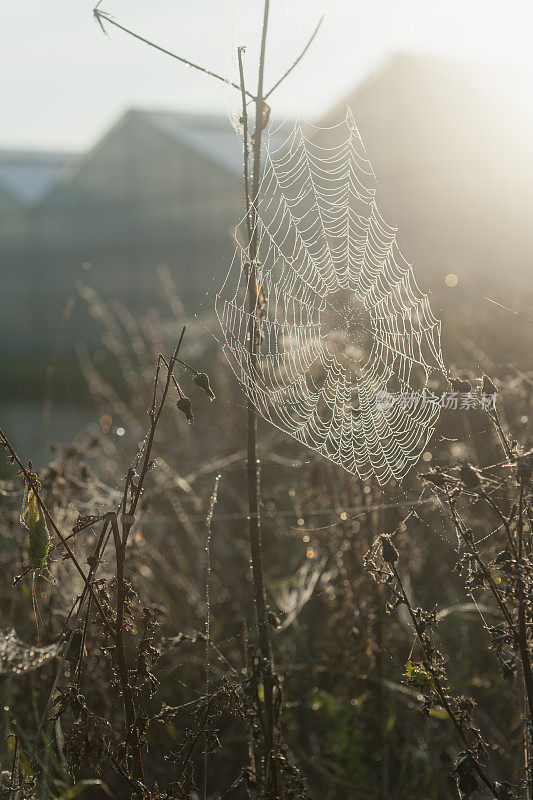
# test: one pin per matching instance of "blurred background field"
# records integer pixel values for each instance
(115, 231)
(447, 127)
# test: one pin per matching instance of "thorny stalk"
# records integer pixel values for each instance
(466, 537)
(126, 517)
(523, 644)
(208, 523)
(94, 563)
(519, 634)
(495, 417)
(154, 418)
(439, 688)
(30, 481)
(514, 562)
(120, 538)
(132, 735)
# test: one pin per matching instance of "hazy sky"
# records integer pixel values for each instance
(62, 82)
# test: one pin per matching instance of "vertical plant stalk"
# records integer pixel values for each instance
(253, 467)
(438, 687)
(29, 479)
(518, 630)
(253, 472)
(120, 537)
(524, 649)
(120, 653)
(246, 148)
(521, 632)
(208, 523)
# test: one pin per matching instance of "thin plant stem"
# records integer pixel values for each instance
(502, 518)
(523, 647)
(29, 480)
(246, 149)
(121, 539)
(154, 416)
(495, 419)
(439, 689)
(253, 470)
(295, 64)
(100, 546)
(208, 523)
(461, 530)
(102, 16)
(120, 651)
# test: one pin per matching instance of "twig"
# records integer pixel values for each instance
(295, 64)
(120, 651)
(462, 532)
(246, 150)
(503, 519)
(154, 420)
(30, 481)
(100, 546)
(121, 540)
(436, 681)
(102, 16)
(208, 522)
(173, 711)
(522, 623)
(495, 419)
(271, 782)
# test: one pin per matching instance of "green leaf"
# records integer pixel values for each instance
(438, 712)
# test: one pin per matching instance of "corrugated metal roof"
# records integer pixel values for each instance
(28, 177)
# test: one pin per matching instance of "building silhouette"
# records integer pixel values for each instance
(159, 188)
(451, 152)
(450, 145)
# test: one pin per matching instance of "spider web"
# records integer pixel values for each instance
(347, 342)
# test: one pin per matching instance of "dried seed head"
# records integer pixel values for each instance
(184, 405)
(468, 535)
(435, 477)
(488, 386)
(273, 619)
(390, 554)
(470, 476)
(459, 385)
(464, 775)
(524, 466)
(202, 381)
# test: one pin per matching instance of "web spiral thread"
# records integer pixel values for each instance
(344, 334)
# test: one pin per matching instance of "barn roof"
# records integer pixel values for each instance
(28, 176)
